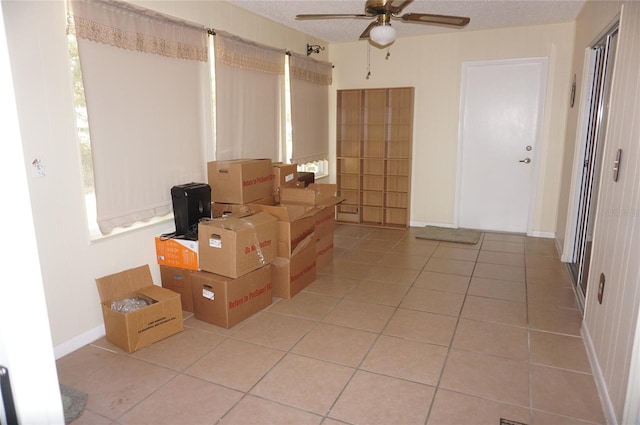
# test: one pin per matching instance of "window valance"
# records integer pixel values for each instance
(131, 27)
(236, 52)
(307, 69)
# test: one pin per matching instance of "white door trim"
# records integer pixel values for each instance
(544, 61)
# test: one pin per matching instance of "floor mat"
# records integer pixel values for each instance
(449, 235)
(73, 402)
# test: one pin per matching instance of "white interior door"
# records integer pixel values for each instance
(501, 110)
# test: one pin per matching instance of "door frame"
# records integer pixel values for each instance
(534, 154)
(574, 210)
(578, 156)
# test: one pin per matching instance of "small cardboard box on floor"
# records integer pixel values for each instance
(240, 181)
(292, 275)
(233, 247)
(225, 302)
(142, 327)
(178, 280)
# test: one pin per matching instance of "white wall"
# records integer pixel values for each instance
(432, 64)
(25, 339)
(39, 60)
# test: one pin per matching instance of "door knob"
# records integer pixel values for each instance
(526, 160)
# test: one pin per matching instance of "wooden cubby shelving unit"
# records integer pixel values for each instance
(374, 145)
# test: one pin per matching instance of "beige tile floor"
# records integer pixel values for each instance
(397, 330)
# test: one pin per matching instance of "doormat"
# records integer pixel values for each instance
(73, 402)
(449, 235)
(508, 422)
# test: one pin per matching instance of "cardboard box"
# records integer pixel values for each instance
(285, 175)
(322, 195)
(295, 223)
(178, 280)
(325, 222)
(233, 247)
(139, 328)
(324, 251)
(182, 253)
(219, 210)
(240, 181)
(225, 302)
(292, 275)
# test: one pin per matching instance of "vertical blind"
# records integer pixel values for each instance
(146, 88)
(310, 80)
(249, 81)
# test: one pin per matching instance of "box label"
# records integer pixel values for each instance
(208, 294)
(156, 323)
(215, 241)
(258, 180)
(250, 296)
(253, 247)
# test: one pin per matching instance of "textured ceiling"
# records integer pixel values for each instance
(484, 14)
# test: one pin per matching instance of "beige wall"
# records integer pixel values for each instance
(39, 60)
(593, 20)
(432, 64)
(611, 329)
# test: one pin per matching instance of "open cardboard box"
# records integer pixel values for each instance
(139, 328)
(292, 275)
(316, 194)
(295, 223)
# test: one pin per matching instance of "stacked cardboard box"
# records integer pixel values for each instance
(285, 175)
(323, 198)
(294, 267)
(240, 181)
(252, 235)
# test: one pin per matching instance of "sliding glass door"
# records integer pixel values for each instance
(601, 73)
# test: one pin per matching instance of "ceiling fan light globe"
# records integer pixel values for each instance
(383, 35)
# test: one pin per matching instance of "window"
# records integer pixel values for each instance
(309, 82)
(319, 168)
(131, 61)
(249, 117)
(307, 128)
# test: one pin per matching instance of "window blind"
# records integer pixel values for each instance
(249, 81)
(146, 87)
(310, 80)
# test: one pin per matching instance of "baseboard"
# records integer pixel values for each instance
(80, 341)
(537, 234)
(605, 400)
(426, 223)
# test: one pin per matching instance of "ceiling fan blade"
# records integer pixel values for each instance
(365, 33)
(396, 6)
(376, 7)
(424, 18)
(331, 16)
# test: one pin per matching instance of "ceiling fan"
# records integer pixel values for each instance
(380, 31)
